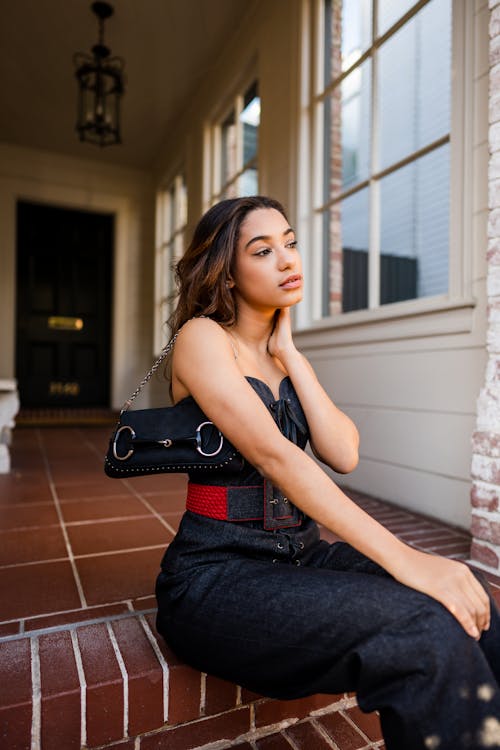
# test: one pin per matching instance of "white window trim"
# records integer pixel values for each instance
(176, 239)
(422, 316)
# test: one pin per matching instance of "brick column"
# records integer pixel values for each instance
(485, 495)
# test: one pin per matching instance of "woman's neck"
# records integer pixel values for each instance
(252, 329)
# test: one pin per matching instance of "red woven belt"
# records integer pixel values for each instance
(261, 502)
(207, 500)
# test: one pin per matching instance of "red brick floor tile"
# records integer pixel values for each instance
(341, 732)
(116, 506)
(31, 545)
(184, 693)
(70, 475)
(107, 536)
(28, 590)
(74, 616)
(220, 695)
(167, 502)
(9, 628)
(16, 488)
(105, 709)
(455, 549)
(145, 676)
(159, 483)
(83, 490)
(144, 602)
(171, 659)
(305, 736)
(269, 712)
(24, 516)
(120, 576)
(248, 696)
(60, 710)
(15, 694)
(276, 741)
(229, 726)
(368, 723)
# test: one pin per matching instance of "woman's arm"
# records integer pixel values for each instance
(333, 436)
(205, 365)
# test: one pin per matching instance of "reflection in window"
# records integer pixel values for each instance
(238, 138)
(390, 11)
(386, 107)
(414, 228)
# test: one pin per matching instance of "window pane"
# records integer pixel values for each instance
(355, 212)
(228, 148)
(414, 86)
(250, 117)
(347, 34)
(347, 235)
(248, 182)
(414, 229)
(389, 11)
(356, 124)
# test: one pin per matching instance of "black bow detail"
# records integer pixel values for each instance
(288, 421)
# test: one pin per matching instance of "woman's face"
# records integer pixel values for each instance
(268, 269)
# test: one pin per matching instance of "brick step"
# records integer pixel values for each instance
(114, 683)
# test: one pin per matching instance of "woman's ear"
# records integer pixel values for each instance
(230, 283)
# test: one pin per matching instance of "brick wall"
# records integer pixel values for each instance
(485, 493)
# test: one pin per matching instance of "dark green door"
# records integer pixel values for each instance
(63, 306)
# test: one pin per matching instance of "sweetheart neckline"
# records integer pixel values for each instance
(258, 380)
(266, 385)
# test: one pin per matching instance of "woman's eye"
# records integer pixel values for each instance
(292, 243)
(264, 251)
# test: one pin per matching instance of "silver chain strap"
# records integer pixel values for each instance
(165, 351)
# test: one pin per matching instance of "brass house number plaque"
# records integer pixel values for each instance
(64, 389)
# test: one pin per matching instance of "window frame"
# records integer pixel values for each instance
(214, 187)
(169, 247)
(310, 200)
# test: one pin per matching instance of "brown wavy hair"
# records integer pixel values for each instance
(203, 273)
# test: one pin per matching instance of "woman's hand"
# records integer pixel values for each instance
(452, 584)
(280, 344)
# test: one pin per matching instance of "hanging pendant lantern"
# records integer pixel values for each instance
(101, 85)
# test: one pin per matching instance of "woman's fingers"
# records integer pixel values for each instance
(466, 599)
(452, 584)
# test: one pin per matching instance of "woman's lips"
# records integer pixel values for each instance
(292, 282)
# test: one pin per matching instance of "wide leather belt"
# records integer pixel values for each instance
(263, 502)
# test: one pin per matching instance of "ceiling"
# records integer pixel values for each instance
(168, 47)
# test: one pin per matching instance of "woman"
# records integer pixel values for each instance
(247, 591)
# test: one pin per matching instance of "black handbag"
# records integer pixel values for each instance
(176, 438)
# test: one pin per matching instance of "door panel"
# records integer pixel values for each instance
(63, 307)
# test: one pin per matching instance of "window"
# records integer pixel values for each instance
(235, 148)
(382, 108)
(171, 219)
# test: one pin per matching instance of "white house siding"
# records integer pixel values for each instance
(414, 404)
(411, 383)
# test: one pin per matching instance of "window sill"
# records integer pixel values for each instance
(430, 316)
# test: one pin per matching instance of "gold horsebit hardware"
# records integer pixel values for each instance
(166, 442)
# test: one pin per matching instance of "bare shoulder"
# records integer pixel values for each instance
(201, 334)
(202, 351)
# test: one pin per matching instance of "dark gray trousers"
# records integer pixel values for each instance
(296, 616)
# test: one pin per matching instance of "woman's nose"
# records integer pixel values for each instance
(286, 258)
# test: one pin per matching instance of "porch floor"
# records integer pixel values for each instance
(79, 554)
